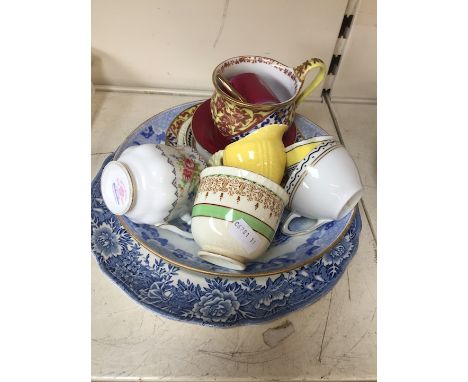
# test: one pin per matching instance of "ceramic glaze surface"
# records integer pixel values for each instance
(162, 182)
(275, 118)
(298, 151)
(236, 213)
(173, 136)
(261, 152)
(233, 117)
(284, 252)
(207, 135)
(239, 121)
(326, 184)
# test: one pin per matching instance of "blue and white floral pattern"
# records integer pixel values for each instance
(175, 293)
(105, 242)
(192, 297)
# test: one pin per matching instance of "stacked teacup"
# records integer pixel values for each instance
(240, 202)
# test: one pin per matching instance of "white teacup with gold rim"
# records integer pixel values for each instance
(324, 186)
(153, 184)
(235, 215)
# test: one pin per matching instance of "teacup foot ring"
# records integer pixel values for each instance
(222, 261)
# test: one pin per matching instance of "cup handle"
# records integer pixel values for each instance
(285, 227)
(187, 218)
(301, 72)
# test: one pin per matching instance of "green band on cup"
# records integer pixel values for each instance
(230, 214)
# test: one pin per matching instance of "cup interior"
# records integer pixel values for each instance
(280, 79)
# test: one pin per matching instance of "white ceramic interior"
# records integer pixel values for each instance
(283, 86)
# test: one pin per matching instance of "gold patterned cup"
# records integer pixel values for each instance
(235, 119)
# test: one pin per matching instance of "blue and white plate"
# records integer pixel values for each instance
(160, 269)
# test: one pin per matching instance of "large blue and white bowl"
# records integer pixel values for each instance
(161, 270)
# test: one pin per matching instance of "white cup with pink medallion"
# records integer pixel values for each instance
(153, 184)
(324, 186)
(235, 215)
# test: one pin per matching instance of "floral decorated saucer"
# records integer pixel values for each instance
(169, 286)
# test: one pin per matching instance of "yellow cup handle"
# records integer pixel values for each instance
(301, 72)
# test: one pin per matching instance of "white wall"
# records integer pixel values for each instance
(176, 43)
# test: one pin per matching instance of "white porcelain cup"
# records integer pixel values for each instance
(153, 184)
(324, 186)
(299, 150)
(235, 215)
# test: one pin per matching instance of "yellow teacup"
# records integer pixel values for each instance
(261, 152)
(297, 151)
